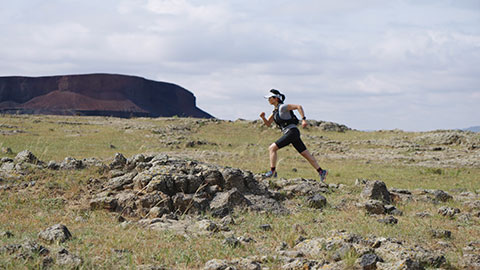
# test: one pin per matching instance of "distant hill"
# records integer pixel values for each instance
(96, 94)
(474, 129)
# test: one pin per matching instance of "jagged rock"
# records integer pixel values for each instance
(228, 200)
(7, 150)
(71, 163)
(215, 264)
(234, 178)
(448, 211)
(120, 182)
(6, 234)
(442, 196)
(266, 227)
(375, 207)
(317, 201)
(377, 190)
(30, 247)
(52, 165)
(10, 249)
(27, 157)
(300, 187)
(188, 203)
(440, 233)
(392, 210)
(56, 233)
(119, 162)
(471, 261)
(104, 200)
(369, 261)
(66, 259)
(390, 220)
(213, 177)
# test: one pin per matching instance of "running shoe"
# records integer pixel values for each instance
(270, 174)
(323, 175)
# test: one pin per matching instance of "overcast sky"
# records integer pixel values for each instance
(369, 64)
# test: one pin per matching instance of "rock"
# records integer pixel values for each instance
(120, 182)
(448, 211)
(30, 248)
(7, 150)
(10, 249)
(213, 178)
(390, 220)
(119, 162)
(6, 234)
(228, 200)
(234, 179)
(442, 196)
(440, 234)
(392, 210)
(64, 258)
(228, 220)
(56, 233)
(317, 201)
(232, 241)
(215, 264)
(27, 157)
(369, 261)
(471, 261)
(377, 190)
(52, 165)
(70, 163)
(375, 207)
(103, 201)
(266, 227)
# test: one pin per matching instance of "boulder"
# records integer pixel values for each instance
(368, 261)
(228, 200)
(70, 163)
(234, 179)
(442, 196)
(375, 207)
(27, 157)
(317, 201)
(119, 162)
(377, 190)
(56, 233)
(448, 211)
(65, 259)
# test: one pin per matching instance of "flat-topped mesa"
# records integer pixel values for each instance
(96, 94)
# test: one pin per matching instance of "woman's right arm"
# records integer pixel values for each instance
(266, 121)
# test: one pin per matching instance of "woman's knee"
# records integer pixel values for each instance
(273, 147)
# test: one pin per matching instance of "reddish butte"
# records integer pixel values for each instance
(96, 94)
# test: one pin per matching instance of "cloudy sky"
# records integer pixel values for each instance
(369, 64)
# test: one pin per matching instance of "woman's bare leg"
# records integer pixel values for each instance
(306, 154)
(273, 155)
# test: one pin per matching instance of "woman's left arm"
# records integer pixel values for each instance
(299, 108)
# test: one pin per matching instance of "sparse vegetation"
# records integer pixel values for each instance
(58, 196)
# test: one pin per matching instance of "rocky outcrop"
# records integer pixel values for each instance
(96, 94)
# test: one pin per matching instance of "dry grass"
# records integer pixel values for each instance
(105, 244)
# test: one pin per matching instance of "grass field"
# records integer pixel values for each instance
(103, 243)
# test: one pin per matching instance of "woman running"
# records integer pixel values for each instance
(285, 118)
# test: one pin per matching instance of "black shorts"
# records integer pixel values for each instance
(291, 137)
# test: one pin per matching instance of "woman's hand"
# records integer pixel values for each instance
(304, 123)
(262, 115)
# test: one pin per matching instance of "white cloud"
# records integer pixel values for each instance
(370, 64)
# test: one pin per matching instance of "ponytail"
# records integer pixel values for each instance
(281, 97)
